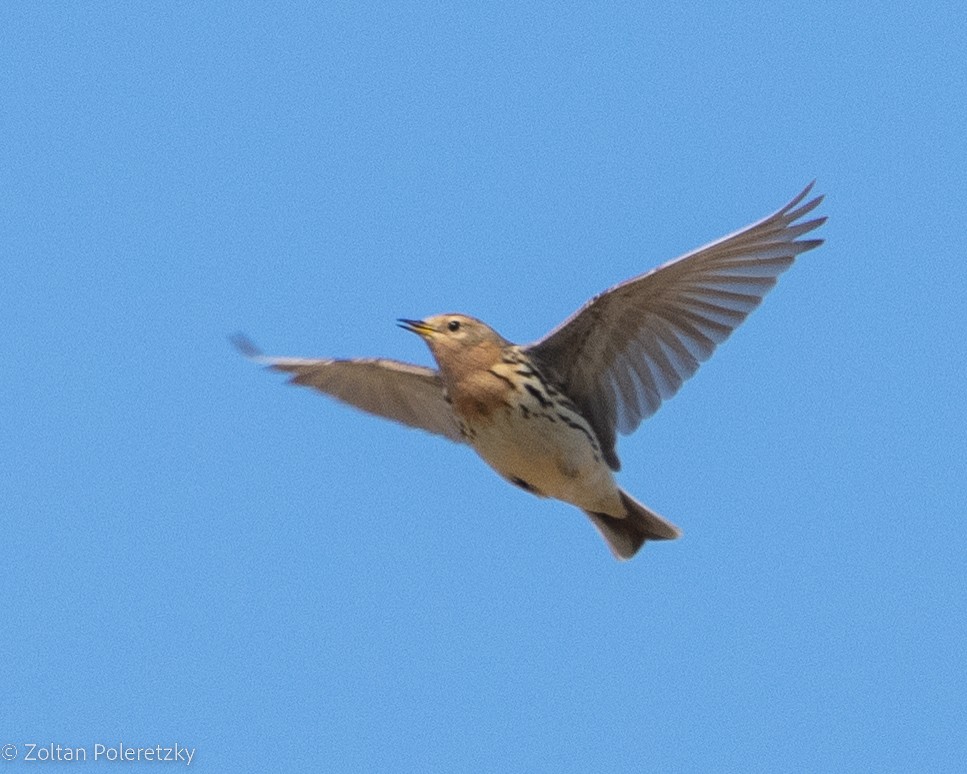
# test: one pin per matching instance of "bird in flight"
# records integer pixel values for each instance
(545, 415)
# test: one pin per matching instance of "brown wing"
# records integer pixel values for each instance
(631, 347)
(410, 394)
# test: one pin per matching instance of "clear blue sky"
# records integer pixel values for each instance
(193, 552)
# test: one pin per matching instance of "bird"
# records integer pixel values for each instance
(545, 415)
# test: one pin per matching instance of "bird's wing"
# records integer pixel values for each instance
(631, 347)
(410, 394)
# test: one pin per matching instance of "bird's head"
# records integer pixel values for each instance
(458, 342)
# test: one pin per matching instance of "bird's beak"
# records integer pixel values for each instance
(418, 327)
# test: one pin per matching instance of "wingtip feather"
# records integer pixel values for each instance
(245, 346)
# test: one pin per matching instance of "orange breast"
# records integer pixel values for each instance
(477, 397)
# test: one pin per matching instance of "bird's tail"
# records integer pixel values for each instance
(626, 535)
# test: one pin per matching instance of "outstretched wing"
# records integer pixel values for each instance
(410, 394)
(631, 347)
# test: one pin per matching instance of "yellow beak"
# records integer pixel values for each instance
(418, 327)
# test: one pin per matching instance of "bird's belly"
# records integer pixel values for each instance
(549, 457)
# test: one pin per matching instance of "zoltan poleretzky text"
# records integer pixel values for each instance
(117, 752)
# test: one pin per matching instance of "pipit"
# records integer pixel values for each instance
(545, 415)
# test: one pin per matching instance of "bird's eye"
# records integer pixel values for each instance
(453, 325)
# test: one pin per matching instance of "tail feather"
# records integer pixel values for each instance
(626, 535)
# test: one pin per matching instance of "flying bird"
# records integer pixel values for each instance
(545, 415)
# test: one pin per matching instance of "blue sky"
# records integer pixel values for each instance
(194, 553)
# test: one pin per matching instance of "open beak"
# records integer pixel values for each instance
(418, 327)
